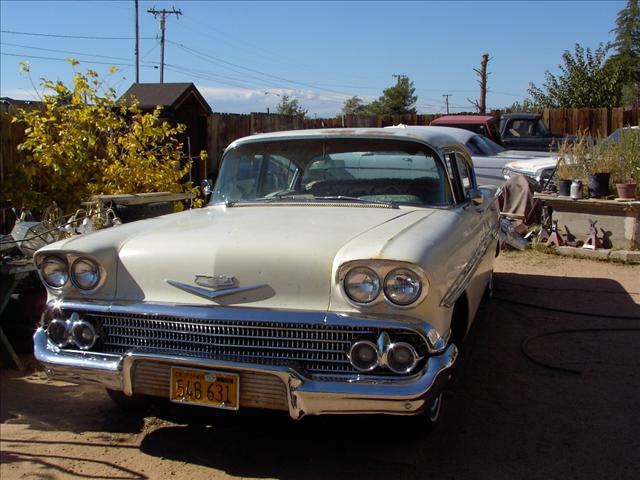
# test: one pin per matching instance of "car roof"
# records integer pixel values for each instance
(463, 119)
(527, 115)
(438, 137)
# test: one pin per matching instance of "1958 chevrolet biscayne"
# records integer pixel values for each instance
(333, 271)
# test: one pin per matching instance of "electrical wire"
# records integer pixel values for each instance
(525, 344)
(64, 60)
(65, 51)
(82, 37)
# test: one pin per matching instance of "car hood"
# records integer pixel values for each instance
(532, 165)
(524, 154)
(282, 256)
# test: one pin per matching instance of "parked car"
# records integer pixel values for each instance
(489, 158)
(527, 131)
(333, 271)
(486, 125)
(542, 169)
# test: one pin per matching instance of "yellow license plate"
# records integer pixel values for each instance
(203, 387)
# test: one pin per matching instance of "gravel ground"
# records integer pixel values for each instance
(507, 416)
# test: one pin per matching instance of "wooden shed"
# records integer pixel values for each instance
(182, 103)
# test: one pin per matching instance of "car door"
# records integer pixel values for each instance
(471, 263)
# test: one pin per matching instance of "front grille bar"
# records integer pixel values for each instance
(316, 348)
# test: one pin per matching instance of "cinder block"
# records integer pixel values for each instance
(626, 256)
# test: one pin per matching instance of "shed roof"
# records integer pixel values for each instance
(170, 95)
(460, 119)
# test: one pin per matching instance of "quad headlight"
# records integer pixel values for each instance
(367, 283)
(402, 286)
(85, 274)
(362, 285)
(58, 271)
(55, 272)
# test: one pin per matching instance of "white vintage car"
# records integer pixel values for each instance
(333, 271)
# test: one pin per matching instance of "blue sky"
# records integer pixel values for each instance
(318, 52)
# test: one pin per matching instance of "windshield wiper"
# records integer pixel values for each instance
(356, 199)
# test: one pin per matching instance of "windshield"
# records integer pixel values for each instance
(397, 172)
(481, 146)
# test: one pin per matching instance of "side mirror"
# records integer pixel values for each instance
(207, 187)
(476, 196)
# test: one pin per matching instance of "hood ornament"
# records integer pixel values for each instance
(215, 287)
(218, 282)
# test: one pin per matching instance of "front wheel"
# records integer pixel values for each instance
(433, 414)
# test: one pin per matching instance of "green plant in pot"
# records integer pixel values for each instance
(570, 166)
(599, 160)
(626, 174)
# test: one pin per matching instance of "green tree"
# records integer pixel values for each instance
(354, 106)
(290, 106)
(627, 50)
(83, 141)
(525, 106)
(396, 100)
(586, 80)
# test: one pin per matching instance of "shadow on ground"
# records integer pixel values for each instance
(507, 416)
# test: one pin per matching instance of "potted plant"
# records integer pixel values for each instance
(599, 160)
(626, 174)
(570, 166)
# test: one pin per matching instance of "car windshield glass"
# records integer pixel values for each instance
(357, 170)
(482, 146)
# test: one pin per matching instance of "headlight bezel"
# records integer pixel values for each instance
(73, 275)
(70, 259)
(62, 261)
(382, 268)
(411, 273)
(369, 271)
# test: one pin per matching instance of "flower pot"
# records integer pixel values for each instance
(564, 188)
(598, 184)
(626, 190)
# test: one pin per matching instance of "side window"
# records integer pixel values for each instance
(465, 174)
(460, 174)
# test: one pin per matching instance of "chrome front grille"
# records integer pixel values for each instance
(315, 348)
(258, 390)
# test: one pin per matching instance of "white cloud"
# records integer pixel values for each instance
(246, 100)
(19, 93)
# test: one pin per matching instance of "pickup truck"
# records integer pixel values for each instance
(514, 131)
(527, 131)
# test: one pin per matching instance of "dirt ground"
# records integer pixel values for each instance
(507, 418)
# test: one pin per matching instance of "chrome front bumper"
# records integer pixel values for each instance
(303, 396)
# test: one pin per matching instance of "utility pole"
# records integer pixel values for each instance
(137, 48)
(446, 100)
(398, 77)
(481, 104)
(163, 16)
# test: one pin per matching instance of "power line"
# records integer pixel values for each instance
(79, 59)
(12, 32)
(63, 51)
(216, 59)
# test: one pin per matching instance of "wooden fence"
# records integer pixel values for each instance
(224, 128)
(597, 122)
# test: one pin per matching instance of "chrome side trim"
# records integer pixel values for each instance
(213, 294)
(459, 285)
